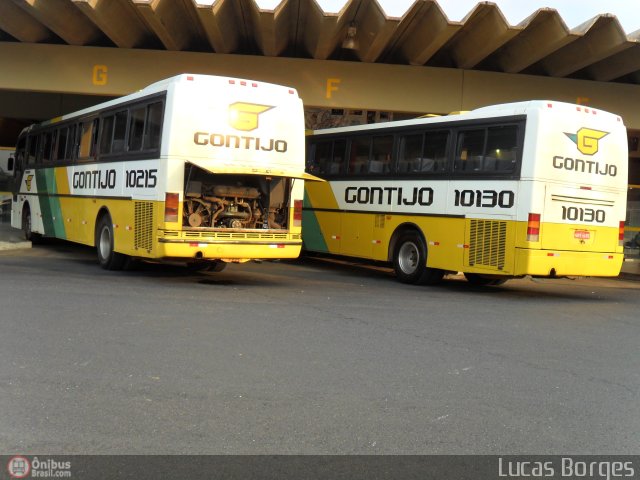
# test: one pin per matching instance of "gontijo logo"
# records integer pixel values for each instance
(587, 139)
(244, 116)
(27, 181)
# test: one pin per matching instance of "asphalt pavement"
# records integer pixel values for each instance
(309, 357)
(13, 239)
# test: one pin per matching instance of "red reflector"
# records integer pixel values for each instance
(281, 245)
(243, 83)
(232, 82)
(190, 78)
(171, 203)
(254, 84)
(585, 188)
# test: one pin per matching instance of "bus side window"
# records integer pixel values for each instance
(381, 154)
(71, 151)
(60, 144)
(435, 156)
(360, 148)
(410, 153)
(94, 138)
(106, 137)
(136, 129)
(502, 148)
(85, 139)
(339, 157)
(469, 151)
(44, 155)
(321, 155)
(119, 132)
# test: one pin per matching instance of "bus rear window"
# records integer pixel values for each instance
(153, 126)
(487, 150)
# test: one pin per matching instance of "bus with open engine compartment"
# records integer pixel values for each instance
(194, 168)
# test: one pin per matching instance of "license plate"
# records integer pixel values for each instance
(582, 234)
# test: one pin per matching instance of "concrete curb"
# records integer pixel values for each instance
(4, 246)
(11, 238)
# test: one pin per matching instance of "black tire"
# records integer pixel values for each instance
(217, 266)
(410, 261)
(107, 257)
(482, 281)
(29, 235)
(207, 266)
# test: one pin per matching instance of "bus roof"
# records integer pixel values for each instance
(491, 111)
(163, 85)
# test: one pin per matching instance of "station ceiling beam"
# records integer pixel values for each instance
(65, 69)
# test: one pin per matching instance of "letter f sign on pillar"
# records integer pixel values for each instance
(332, 86)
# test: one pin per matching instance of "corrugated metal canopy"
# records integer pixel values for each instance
(540, 45)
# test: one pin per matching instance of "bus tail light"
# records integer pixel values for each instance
(171, 203)
(621, 233)
(533, 227)
(297, 213)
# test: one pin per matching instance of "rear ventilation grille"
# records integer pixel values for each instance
(487, 243)
(143, 232)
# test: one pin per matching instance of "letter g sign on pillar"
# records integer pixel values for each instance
(99, 76)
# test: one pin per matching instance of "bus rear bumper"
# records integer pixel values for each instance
(232, 251)
(554, 263)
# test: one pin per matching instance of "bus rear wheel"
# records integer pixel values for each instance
(481, 280)
(107, 257)
(410, 261)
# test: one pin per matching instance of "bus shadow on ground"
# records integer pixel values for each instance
(517, 289)
(249, 274)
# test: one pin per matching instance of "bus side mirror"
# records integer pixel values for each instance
(10, 162)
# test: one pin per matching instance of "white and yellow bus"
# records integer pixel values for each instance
(531, 188)
(195, 168)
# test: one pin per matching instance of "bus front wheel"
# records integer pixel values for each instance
(410, 261)
(107, 257)
(27, 225)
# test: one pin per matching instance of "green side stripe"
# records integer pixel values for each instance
(311, 233)
(50, 206)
